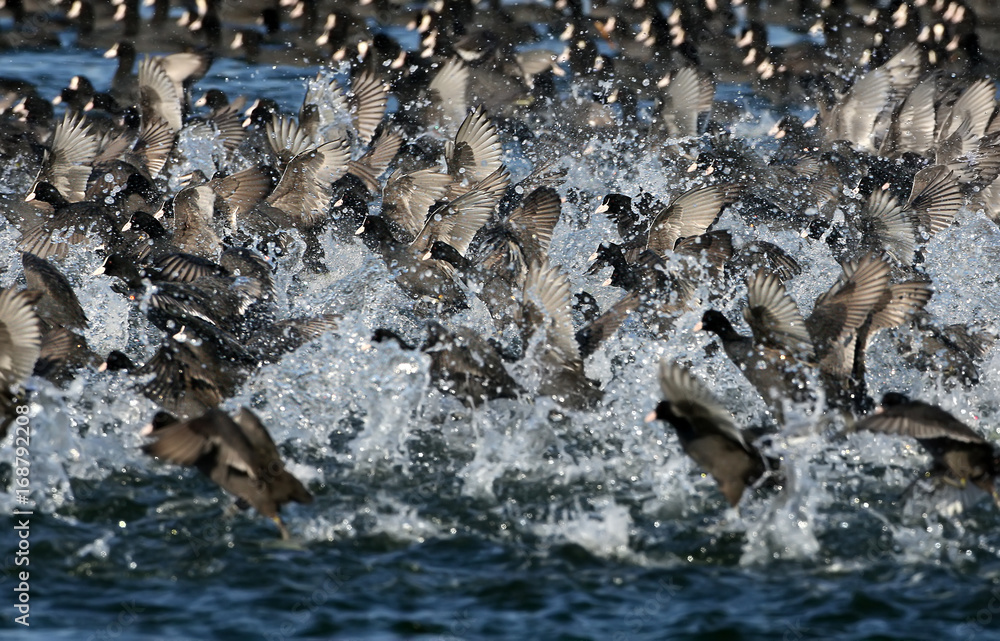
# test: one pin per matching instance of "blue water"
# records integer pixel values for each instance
(510, 522)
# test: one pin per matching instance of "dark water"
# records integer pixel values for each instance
(509, 522)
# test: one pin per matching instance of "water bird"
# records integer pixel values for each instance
(57, 304)
(555, 353)
(237, 453)
(71, 223)
(707, 432)
(786, 350)
(201, 214)
(463, 363)
(192, 371)
(20, 347)
(454, 223)
(960, 455)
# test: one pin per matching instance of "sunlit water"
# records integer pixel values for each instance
(512, 521)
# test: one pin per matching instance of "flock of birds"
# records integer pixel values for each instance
(404, 153)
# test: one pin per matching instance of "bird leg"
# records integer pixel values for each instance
(285, 534)
(959, 483)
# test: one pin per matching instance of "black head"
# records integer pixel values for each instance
(36, 110)
(124, 51)
(247, 39)
(603, 257)
(386, 46)
(262, 111)
(893, 399)
(117, 361)
(617, 203)
(160, 420)
(83, 85)
(47, 193)
(270, 19)
(665, 412)
(118, 266)
(443, 251)
(146, 222)
(139, 185)
(382, 335)
(375, 230)
(608, 252)
(214, 99)
(714, 321)
(817, 227)
(104, 102)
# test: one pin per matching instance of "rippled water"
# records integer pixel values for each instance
(512, 521)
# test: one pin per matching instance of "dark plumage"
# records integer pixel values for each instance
(773, 371)
(707, 432)
(960, 454)
(237, 453)
(57, 304)
(20, 337)
(462, 363)
(70, 224)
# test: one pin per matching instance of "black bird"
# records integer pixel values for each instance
(960, 454)
(463, 363)
(57, 305)
(20, 337)
(237, 453)
(70, 224)
(773, 371)
(707, 432)
(20, 346)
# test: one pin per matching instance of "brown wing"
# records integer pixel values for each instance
(891, 225)
(367, 99)
(448, 90)
(548, 307)
(846, 305)
(20, 337)
(286, 139)
(775, 318)
(921, 421)
(408, 197)
(304, 189)
(593, 334)
(935, 198)
(158, 94)
(457, 222)
(476, 151)
(899, 303)
(240, 192)
(72, 150)
(534, 221)
(688, 95)
(376, 160)
(690, 214)
(156, 141)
